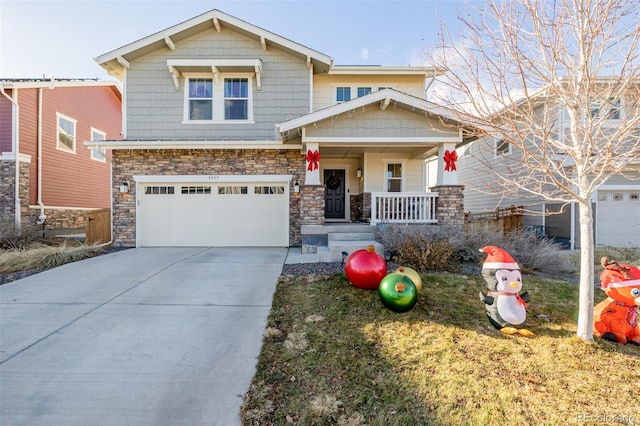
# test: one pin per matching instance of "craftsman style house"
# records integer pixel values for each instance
(235, 136)
(43, 123)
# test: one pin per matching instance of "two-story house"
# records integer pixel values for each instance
(49, 179)
(615, 202)
(236, 136)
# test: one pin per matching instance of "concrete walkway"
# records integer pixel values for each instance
(152, 336)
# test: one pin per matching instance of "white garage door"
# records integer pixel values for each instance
(213, 214)
(618, 219)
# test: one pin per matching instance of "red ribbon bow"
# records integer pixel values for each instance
(313, 158)
(450, 158)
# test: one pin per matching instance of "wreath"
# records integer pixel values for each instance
(333, 182)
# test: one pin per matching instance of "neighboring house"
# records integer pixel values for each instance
(43, 124)
(235, 136)
(616, 203)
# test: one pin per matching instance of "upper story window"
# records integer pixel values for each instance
(97, 153)
(66, 133)
(236, 98)
(501, 148)
(225, 98)
(394, 177)
(609, 110)
(200, 98)
(343, 94)
(363, 91)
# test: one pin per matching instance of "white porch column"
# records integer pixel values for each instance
(312, 156)
(447, 164)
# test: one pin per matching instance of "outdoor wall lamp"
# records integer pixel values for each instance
(124, 187)
(296, 188)
(359, 172)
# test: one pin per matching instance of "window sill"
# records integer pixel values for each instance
(218, 122)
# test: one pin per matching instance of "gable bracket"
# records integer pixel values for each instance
(216, 23)
(175, 74)
(122, 61)
(258, 70)
(216, 74)
(263, 42)
(385, 103)
(309, 65)
(170, 44)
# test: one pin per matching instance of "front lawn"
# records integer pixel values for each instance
(333, 354)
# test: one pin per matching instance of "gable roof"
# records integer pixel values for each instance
(116, 60)
(51, 83)
(384, 97)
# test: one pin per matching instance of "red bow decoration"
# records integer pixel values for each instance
(450, 158)
(313, 158)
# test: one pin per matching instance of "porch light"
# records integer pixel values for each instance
(359, 172)
(296, 188)
(124, 187)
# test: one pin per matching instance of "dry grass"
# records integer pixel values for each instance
(622, 255)
(42, 256)
(441, 363)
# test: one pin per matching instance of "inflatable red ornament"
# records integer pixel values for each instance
(365, 268)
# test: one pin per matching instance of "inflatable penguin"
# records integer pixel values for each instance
(505, 306)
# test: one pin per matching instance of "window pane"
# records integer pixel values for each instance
(200, 110)
(343, 94)
(395, 185)
(236, 88)
(363, 91)
(394, 170)
(235, 109)
(200, 88)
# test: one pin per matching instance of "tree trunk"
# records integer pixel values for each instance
(585, 312)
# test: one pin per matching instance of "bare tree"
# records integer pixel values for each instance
(560, 82)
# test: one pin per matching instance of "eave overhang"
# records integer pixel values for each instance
(116, 61)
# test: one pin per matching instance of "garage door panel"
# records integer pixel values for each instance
(218, 215)
(618, 219)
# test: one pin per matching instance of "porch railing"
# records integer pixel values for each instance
(403, 207)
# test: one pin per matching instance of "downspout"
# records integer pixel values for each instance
(42, 216)
(16, 150)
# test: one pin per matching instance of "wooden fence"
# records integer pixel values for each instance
(500, 220)
(98, 226)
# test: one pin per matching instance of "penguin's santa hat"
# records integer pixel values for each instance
(498, 259)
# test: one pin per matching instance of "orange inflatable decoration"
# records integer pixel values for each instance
(616, 317)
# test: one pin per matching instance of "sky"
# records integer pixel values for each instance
(61, 38)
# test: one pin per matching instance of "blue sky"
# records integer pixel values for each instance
(61, 38)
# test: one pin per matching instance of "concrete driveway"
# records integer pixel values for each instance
(150, 336)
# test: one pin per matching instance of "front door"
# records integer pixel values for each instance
(334, 195)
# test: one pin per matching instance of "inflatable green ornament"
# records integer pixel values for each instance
(397, 292)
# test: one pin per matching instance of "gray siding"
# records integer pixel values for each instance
(374, 122)
(155, 107)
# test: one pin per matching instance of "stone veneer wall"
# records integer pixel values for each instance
(7, 190)
(126, 164)
(366, 207)
(356, 208)
(449, 207)
(57, 218)
(312, 204)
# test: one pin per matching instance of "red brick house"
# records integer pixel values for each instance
(43, 124)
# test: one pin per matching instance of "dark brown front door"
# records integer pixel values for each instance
(334, 195)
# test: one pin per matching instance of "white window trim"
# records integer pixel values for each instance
(218, 97)
(59, 146)
(102, 159)
(385, 183)
(354, 89)
(497, 154)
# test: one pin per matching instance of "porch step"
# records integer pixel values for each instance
(350, 236)
(333, 251)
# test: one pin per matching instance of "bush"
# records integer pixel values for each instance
(39, 256)
(532, 251)
(12, 238)
(424, 254)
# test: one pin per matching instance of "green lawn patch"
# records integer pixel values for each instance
(333, 354)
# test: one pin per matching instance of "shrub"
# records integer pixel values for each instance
(424, 254)
(532, 251)
(12, 238)
(43, 257)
